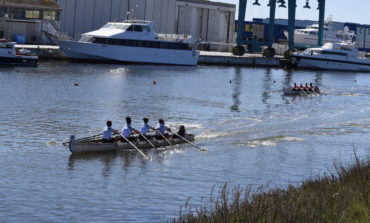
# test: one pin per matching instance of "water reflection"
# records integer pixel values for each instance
(125, 159)
(288, 78)
(318, 79)
(267, 86)
(236, 90)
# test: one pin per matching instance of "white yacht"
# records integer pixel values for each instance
(132, 41)
(332, 56)
(9, 55)
(309, 35)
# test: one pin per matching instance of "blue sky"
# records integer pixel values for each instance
(357, 11)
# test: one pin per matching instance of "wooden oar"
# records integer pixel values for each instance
(303, 91)
(135, 147)
(200, 149)
(168, 141)
(147, 140)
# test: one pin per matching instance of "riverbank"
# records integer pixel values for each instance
(340, 197)
(205, 57)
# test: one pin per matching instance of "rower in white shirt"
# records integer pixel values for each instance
(145, 129)
(161, 130)
(128, 131)
(107, 132)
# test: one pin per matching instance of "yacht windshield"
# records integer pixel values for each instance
(86, 39)
(115, 26)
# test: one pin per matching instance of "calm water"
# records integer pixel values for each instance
(253, 134)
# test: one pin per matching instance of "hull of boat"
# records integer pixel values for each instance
(94, 146)
(313, 39)
(331, 64)
(102, 52)
(19, 61)
(290, 92)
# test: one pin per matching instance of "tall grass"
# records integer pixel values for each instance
(340, 197)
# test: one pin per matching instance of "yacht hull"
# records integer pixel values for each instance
(313, 39)
(330, 64)
(113, 53)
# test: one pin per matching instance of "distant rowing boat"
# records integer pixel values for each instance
(95, 145)
(300, 92)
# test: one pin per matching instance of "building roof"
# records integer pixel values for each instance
(39, 4)
(221, 4)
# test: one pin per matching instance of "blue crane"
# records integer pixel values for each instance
(269, 51)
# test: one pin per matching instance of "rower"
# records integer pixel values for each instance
(127, 131)
(312, 88)
(160, 130)
(181, 132)
(107, 133)
(295, 87)
(306, 88)
(145, 129)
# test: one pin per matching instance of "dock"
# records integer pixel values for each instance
(205, 57)
(225, 58)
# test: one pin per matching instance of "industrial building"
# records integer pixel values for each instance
(26, 21)
(207, 20)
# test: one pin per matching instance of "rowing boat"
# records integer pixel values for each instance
(290, 92)
(95, 145)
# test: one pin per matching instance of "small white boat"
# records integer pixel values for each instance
(10, 56)
(309, 35)
(132, 41)
(332, 56)
(96, 145)
(292, 92)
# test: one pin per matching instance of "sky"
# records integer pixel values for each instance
(357, 11)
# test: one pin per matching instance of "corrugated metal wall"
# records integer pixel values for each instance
(79, 16)
(208, 22)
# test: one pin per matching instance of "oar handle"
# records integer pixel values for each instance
(89, 137)
(134, 146)
(166, 139)
(147, 140)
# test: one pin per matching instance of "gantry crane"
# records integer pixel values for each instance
(270, 51)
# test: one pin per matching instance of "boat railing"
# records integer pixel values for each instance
(137, 21)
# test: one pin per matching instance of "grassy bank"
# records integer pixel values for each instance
(340, 197)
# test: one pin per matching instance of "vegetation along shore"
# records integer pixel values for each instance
(343, 196)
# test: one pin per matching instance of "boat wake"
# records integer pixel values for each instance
(268, 141)
(214, 134)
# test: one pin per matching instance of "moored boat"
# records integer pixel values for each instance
(95, 144)
(309, 35)
(332, 56)
(132, 41)
(10, 56)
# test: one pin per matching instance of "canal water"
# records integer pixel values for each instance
(253, 134)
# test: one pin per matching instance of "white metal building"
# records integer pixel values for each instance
(210, 21)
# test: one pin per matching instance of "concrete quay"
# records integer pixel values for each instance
(225, 58)
(205, 58)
